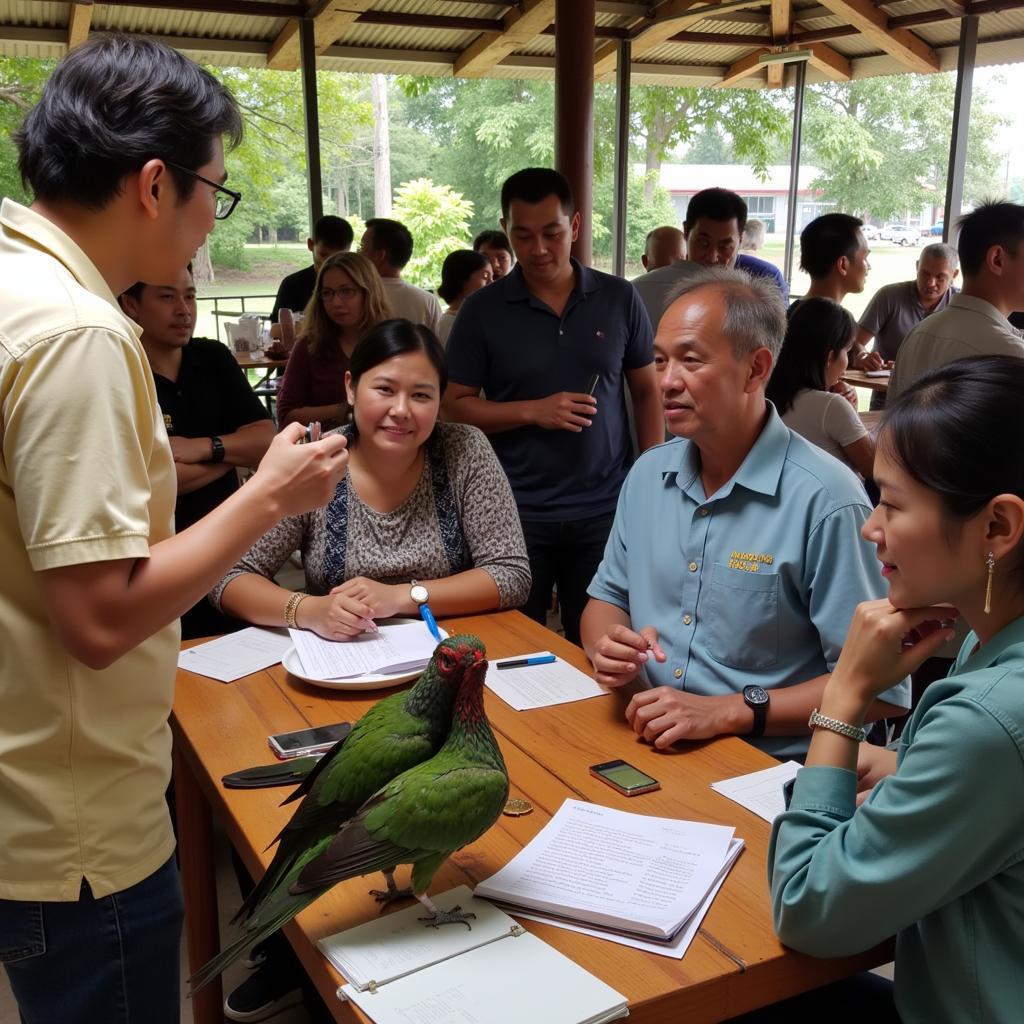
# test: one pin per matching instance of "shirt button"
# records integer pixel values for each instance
(703, 511)
(692, 567)
(678, 673)
(687, 620)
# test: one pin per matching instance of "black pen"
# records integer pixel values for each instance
(540, 659)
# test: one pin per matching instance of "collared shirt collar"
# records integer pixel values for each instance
(1011, 635)
(516, 289)
(760, 470)
(45, 235)
(976, 305)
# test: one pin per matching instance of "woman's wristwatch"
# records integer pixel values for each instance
(418, 594)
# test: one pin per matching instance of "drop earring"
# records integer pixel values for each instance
(990, 561)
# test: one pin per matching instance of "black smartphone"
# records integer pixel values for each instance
(303, 742)
(621, 775)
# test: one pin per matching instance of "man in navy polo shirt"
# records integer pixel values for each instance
(534, 343)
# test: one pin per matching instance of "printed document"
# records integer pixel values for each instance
(760, 792)
(400, 648)
(236, 655)
(540, 686)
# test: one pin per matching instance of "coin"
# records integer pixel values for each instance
(515, 807)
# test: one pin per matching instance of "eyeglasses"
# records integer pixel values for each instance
(227, 199)
(348, 292)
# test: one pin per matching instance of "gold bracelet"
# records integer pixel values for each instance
(292, 607)
(851, 732)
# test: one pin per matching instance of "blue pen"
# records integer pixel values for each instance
(419, 595)
(540, 659)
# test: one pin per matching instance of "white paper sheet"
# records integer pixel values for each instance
(614, 869)
(760, 792)
(679, 945)
(540, 686)
(507, 982)
(402, 647)
(236, 655)
(399, 944)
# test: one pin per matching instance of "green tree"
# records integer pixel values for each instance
(438, 218)
(21, 82)
(883, 143)
(663, 119)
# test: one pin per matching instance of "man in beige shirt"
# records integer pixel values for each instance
(975, 321)
(93, 577)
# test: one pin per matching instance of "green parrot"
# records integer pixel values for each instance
(396, 733)
(420, 817)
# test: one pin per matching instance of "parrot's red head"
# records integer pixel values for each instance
(458, 655)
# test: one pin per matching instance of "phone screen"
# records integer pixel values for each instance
(625, 775)
(319, 735)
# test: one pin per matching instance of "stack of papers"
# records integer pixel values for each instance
(401, 971)
(236, 655)
(406, 647)
(640, 880)
(760, 792)
(540, 686)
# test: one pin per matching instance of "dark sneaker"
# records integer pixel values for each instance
(266, 993)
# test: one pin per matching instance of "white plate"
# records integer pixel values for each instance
(375, 682)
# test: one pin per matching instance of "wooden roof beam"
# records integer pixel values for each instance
(745, 67)
(330, 20)
(781, 15)
(873, 24)
(520, 25)
(647, 34)
(830, 63)
(79, 20)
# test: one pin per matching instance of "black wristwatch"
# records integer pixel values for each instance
(756, 698)
(217, 445)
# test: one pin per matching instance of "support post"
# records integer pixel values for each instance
(621, 156)
(311, 108)
(794, 167)
(574, 111)
(961, 126)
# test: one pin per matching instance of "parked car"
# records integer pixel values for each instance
(936, 230)
(900, 234)
(869, 231)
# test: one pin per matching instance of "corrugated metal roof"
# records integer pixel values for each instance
(37, 28)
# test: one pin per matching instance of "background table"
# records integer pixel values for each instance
(859, 379)
(734, 964)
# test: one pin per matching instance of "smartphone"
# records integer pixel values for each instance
(303, 742)
(621, 775)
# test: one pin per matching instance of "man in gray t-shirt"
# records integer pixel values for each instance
(897, 309)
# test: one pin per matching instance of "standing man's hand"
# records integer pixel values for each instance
(565, 410)
(191, 449)
(299, 477)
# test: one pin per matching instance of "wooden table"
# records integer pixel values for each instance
(247, 362)
(859, 379)
(734, 964)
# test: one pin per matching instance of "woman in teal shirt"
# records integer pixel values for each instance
(935, 852)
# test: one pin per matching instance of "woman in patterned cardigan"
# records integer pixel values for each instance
(423, 500)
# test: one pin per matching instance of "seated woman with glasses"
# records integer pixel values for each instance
(423, 500)
(347, 300)
(934, 854)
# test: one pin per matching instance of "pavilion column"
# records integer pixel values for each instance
(311, 110)
(961, 126)
(622, 83)
(794, 167)
(574, 110)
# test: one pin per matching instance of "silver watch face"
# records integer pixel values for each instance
(419, 594)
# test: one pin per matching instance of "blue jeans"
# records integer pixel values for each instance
(98, 961)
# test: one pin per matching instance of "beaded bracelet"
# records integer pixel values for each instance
(292, 607)
(851, 732)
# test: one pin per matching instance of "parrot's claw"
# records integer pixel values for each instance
(453, 916)
(385, 897)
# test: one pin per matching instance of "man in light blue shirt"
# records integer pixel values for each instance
(735, 561)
